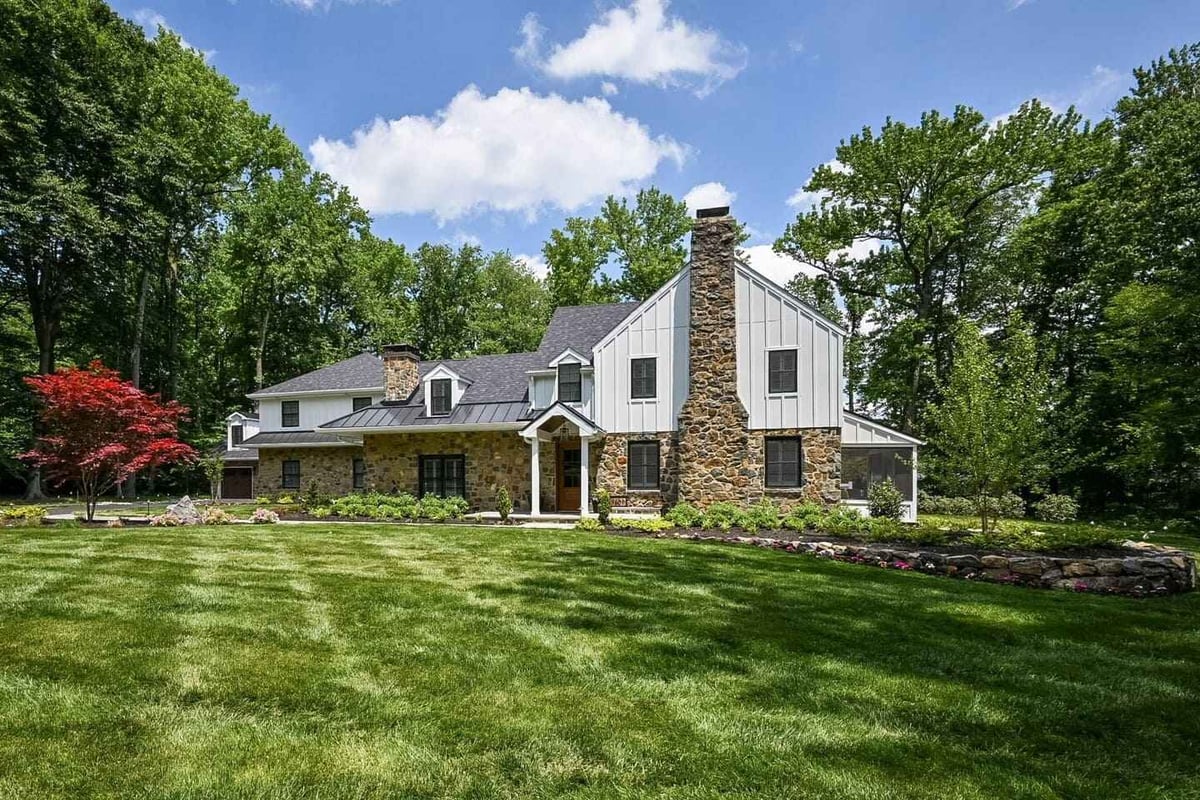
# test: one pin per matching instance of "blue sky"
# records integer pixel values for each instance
(496, 119)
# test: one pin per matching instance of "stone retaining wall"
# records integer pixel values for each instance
(1139, 570)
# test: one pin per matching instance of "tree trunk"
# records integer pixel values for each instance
(139, 329)
(262, 347)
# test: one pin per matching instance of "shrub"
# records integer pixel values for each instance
(313, 497)
(285, 500)
(684, 515)
(763, 515)
(644, 524)
(804, 517)
(947, 506)
(264, 516)
(603, 505)
(215, 515)
(844, 521)
(589, 524)
(1008, 505)
(25, 515)
(263, 499)
(504, 503)
(885, 501)
(886, 530)
(115, 523)
(1056, 508)
(319, 511)
(165, 521)
(721, 516)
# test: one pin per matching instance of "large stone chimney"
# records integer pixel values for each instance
(714, 446)
(400, 371)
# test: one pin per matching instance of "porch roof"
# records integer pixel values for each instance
(383, 416)
(559, 409)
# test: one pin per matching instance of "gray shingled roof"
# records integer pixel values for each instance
(494, 379)
(280, 438)
(363, 371)
(236, 454)
(580, 327)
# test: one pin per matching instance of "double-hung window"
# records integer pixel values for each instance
(570, 384)
(781, 371)
(643, 378)
(358, 473)
(643, 465)
(783, 462)
(291, 475)
(289, 411)
(236, 434)
(439, 397)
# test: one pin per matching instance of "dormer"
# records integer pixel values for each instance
(569, 368)
(238, 428)
(443, 389)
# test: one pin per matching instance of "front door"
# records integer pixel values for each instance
(568, 476)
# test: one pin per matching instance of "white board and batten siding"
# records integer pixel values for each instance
(658, 329)
(860, 431)
(314, 409)
(769, 319)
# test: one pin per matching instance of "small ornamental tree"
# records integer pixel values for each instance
(989, 426)
(99, 430)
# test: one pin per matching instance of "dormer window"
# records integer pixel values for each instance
(440, 397)
(236, 434)
(570, 384)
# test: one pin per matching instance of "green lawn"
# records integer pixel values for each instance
(358, 661)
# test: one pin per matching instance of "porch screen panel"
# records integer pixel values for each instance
(863, 467)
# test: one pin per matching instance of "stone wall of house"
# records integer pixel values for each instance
(493, 459)
(331, 468)
(821, 466)
(613, 464)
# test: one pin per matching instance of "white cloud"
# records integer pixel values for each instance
(640, 43)
(151, 21)
(1013, 5)
(608, 88)
(1094, 97)
(511, 151)
(803, 200)
(537, 265)
(708, 195)
(779, 268)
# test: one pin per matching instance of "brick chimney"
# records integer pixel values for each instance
(714, 444)
(400, 371)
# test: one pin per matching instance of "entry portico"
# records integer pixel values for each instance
(563, 424)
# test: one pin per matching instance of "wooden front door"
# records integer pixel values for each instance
(568, 476)
(237, 483)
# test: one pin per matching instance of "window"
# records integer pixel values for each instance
(443, 476)
(235, 435)
(290, 414)
(358, 473)
(570, 384)
(781, 371)
(359, 403)
(642, 378)
(291, 475)
(643, 465)
(863, 467)
(783, 463)
(439, 397)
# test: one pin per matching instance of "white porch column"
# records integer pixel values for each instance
(584, 508)
(535, 485)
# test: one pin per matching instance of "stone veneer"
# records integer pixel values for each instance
(493, 459)
(612, 471)
(401, 371)
(718, 458)
(331, 468)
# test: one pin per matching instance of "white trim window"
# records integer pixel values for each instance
(643, 377)
(570, 383)
(782, 371)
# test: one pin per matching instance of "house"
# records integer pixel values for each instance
(721, 386)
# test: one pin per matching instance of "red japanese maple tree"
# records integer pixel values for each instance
(100, 430)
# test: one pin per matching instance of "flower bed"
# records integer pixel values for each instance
(1136, 569)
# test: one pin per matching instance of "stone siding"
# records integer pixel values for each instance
(613, 465)
(331, 468)
(493, 459)
(714, 450)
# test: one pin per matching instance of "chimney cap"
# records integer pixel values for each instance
(709, 213)
(401, 350)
